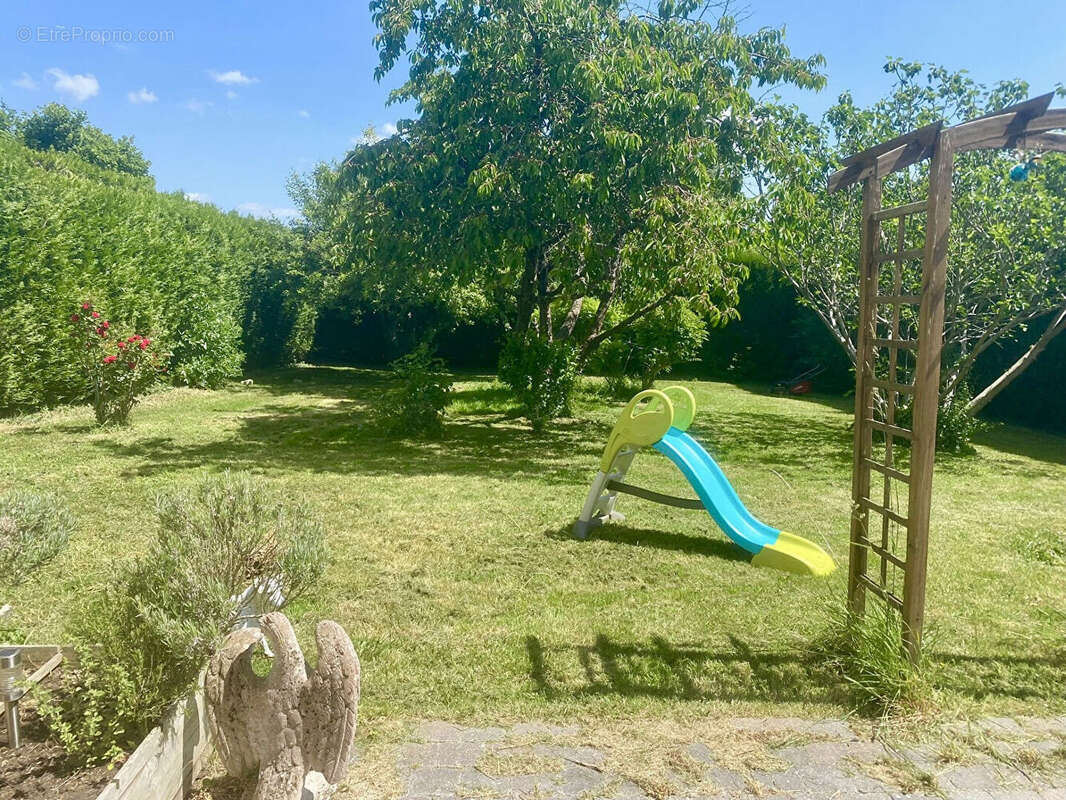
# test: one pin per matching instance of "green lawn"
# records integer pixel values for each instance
(456, 577)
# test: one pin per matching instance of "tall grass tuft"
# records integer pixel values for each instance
(867, 652)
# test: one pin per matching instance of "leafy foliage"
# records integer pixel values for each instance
(34, 528)
(605, 164)
(542, 375)
(118, 368)
(416, 407)
(1007, 263)
(650, 346)
(56, 127)
(183, 270)
(144, 640)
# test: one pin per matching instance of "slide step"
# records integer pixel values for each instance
(655, 497)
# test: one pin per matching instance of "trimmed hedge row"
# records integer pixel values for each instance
(209, 287)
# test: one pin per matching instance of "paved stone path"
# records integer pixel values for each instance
(1004, 759)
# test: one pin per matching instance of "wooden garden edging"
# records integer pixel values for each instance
(169, 759)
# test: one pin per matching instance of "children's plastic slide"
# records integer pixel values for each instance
(660, 419)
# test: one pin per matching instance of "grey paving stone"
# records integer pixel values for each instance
(442, 765)
(1002, 725)
(837, 729)
(443, 754)
(974, 778)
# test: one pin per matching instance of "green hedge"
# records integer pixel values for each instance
(209, 286)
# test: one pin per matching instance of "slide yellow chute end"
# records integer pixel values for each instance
(793, 553)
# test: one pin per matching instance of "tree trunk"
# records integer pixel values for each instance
(544, 309)
(1057, 325)
(571, 318)
(614, 272)
(593, 341)
(526, 289)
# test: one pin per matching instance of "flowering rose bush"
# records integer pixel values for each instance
(119, 367)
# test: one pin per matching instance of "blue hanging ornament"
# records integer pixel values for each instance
(1019, 172)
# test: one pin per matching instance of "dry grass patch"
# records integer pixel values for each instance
(657, 755)
(513, 764)
(905, 775)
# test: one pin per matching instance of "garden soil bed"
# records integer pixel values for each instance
(40, 768)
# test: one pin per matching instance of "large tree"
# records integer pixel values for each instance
(580, 163)
(66, 130)
(1007, 257)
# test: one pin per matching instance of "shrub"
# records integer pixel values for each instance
(118, 368)
(33, 529)
(649, 347)
(192, 275)
(416, 406)
(955, 426)
(867, 652)
(541, 374)
(143, 642)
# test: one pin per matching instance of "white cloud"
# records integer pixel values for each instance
(266, 212)
(303, 112)
(80, 87)
(197, 106)
(24, 81)
(232, 78)
(198, 197)
(389, 129)
(231, 95)
(142, 95)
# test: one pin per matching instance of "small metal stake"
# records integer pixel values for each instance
(14, 733)
(10, 672)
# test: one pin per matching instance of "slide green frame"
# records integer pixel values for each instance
(661, 419)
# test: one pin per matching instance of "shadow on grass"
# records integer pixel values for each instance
(1037, 445)
(981, 677)
(662, 669)
(343, 439)
(767, 437)
(743, 671)
(659, 540)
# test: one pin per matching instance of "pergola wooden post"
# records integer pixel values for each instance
(881, 375)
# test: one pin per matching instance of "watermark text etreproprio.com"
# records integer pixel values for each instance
(62, 34)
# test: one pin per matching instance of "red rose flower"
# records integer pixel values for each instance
(101, 332)
(133, 338)
(96, 315)
(131, 364)
(85, 306)
(74, 317)
(110, 359)
(121, 345)
(106, 325)
(144, 344)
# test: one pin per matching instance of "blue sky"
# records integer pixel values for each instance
(226, 98)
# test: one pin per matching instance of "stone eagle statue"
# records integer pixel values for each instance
(288, 723)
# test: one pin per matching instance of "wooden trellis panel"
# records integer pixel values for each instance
(900, 334)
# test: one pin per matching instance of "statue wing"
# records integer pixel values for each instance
(234, 694)
(329, 704)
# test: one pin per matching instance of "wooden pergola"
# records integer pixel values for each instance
(901, 325)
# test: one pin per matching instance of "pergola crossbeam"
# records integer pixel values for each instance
(877, 161)
(1024, 125)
